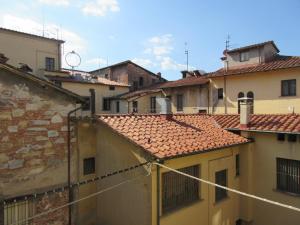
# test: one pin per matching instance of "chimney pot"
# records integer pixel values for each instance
(245, 105)
(3, 58)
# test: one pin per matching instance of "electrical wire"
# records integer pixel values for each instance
(231, 189)
(79, 200)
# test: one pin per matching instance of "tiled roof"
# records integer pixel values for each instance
(190, 81)
(167, 136)
(286, 123)
(100, 80)
(253, 46)
(279, 62)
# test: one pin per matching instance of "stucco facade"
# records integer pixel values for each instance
(30, 49)
(266, 87)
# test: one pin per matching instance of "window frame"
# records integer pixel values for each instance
(220, 93)
(86, 107)
(135, 106)
(153, 104)
(179, 103)
(284, 182)
(292, 138)
(280, 136)
(117, 106)
(106, 104)
(49, 64)
(179, 191)
(86, 170)
(290, 85)
(221, 194)
(237, 165)
(141, 81)
(112, 87)
(244, 59)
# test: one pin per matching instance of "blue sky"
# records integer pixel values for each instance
(153, 33)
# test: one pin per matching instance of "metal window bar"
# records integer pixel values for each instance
(18, 211)
(179, 190)
(288, 175)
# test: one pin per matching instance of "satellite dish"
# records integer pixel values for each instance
(73, 59)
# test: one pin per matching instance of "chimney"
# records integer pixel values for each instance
(159, 74)
(245, 105)
(164, 107)
(25, 68)
(3, 58)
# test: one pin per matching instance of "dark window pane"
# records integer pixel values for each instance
(280, 137)
(118, 106)
(179, 102)
(288, 87)
(86, 106)
(135, 106)
(179, 190)
(89, 166)
(112, 88)
(292, 137)
(106, 104)
(135, 85)
(237, 165)
(141, 81)
(221, 179)
(240, 95)
(50, 64)
(153, 104)
(220, 93)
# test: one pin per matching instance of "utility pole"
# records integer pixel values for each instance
(187, 56)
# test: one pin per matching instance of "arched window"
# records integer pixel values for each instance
(250, 95)
(240, 95)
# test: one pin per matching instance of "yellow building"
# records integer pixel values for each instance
(187, 95)
(82, 83)
(258, 72)
(42, 55)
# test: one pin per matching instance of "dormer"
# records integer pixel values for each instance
(250, 55)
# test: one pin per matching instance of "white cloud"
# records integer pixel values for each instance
(100, 7)
(167, 63)
(143, 62)
(55, 2)
(99, 62)
(159, 45)
(73, 40)
(161, 40)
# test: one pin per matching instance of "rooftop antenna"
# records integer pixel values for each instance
(227, 42)
(106, 60)
(187, 56)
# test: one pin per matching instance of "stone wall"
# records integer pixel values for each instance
(33, 141)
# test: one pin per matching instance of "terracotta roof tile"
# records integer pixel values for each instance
(167, 136)
(279, 62)
(289, 123)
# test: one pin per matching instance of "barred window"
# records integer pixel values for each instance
(18, 212)
(179, 190)
(153, 104)
(89, 166)
(221, 179)
(288, 175)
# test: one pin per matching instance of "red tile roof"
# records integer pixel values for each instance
(286, 123)
(279, 62)
(166, 136)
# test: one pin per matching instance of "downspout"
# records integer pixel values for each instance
(157, 194)
(225, 95)
(69, 161)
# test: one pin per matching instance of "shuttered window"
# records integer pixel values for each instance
(179, 190)
(18, 212)
(288, 175)
(288, 87)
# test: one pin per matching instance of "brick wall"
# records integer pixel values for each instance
(33, 142)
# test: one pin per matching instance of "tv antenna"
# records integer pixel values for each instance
(187, 56)
(73, 59)
(227, 42)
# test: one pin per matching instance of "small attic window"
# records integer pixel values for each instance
(244, 56)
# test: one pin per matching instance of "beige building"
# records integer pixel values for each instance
(187, 95)
(129, 73)
(86, 85)
(41, 55)
(260, 73)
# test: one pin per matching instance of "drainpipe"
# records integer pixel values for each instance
(225, 95)
(69, 161)
(157, 194)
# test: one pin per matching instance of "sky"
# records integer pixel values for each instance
(156, 33)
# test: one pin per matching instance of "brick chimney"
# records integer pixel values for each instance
(245, 105)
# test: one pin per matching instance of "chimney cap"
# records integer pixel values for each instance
(245, 99)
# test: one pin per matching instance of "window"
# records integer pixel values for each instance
(240, 95)
(178, 190)
(280, 137)
(117, 106)
(112, 88)
(221, 179)
(288, 173)
(106, 104)
(18, 211)
(135, 106)
(153, 104)
(141, 81)
(135, 85)
(292, 137)
(237, 165)
(244, 56)
(89, 166)
(238, 222)
(202, 111)
(179, 103)
(220, 93)
(87, 105)
(106, 76)
(288, 87)
(57, 83)
(250, 95)
(50, 64)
